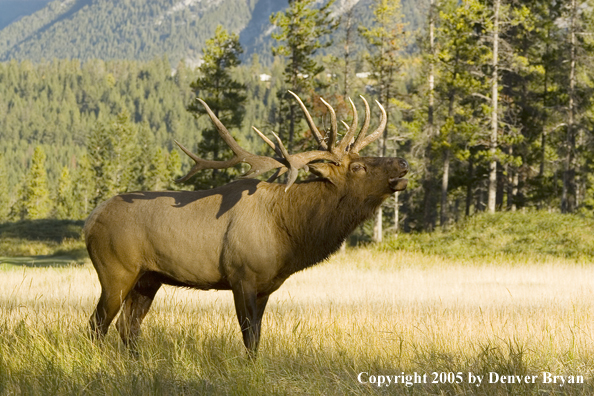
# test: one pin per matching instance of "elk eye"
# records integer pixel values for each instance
(357, 168)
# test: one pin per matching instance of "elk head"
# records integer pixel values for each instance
(338, 163)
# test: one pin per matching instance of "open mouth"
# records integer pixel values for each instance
(398, 183)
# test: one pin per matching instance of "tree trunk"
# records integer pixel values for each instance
(500, 186)
(428, 219)
(396, 214)
(428, 206)
(378, 226)
(543, 137)
(385, 95)
(396, 203)
(469, 184)
(446, 169)
(492, 194)
(543, 142)
(347, 68)
(291, 125)
(443, 216)
(514, 191)
(568, 194)
(480, 198)
(431, 67)
(347, 48)
(378, 232)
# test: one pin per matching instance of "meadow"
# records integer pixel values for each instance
(369, 315)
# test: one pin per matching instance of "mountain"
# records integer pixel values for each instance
(145, 29)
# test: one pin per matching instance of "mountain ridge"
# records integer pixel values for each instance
(145, 29)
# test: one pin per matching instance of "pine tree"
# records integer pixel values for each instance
(224, 96)
(303, 28)
(460, 53)
(349, 28)
(85, 180)
(143, 162)
(584, 134)
(65, 196)
(579, 48)
(158, 176)
(112, 152)
(174, 171)
(385, 40)
(504, 59)
(35, 202)
(429, 168)
(540, 114)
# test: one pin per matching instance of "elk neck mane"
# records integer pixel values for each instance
(317, 216)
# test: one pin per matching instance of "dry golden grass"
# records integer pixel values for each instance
(382, 313)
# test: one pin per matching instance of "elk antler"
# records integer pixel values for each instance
(363, 140)
(258, 164)
(290, 162)
(345, 146)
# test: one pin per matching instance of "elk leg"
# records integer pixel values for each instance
(136, 307)
(260, 306)
(113, 293)
(249, 308)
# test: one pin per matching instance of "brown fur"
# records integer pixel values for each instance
(247, 236)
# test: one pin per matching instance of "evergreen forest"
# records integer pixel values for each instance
(145, 29)
(488, 100)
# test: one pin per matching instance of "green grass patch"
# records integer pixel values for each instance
(531, 235)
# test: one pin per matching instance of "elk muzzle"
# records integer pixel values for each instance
(398, 183)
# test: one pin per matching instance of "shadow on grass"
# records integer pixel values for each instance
(50, 230)
(40, 261)
(42, 243)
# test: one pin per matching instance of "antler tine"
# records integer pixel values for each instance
(358, 145)
(203, 164)
(310, 122)
(235, 147)
(293, 166)
(346, 140)
(293, 160)
(333, 127)
(380, 129)
(268, 141)
(328, 153)
(258, 164)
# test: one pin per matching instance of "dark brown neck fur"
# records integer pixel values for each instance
(316, 217)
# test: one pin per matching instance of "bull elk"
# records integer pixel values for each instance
(247, 236)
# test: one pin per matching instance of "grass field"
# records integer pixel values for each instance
(368, 314)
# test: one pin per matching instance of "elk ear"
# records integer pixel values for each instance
(321, 169)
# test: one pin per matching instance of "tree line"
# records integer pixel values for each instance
(489, 102)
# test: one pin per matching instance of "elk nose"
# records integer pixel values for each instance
(403, 166)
